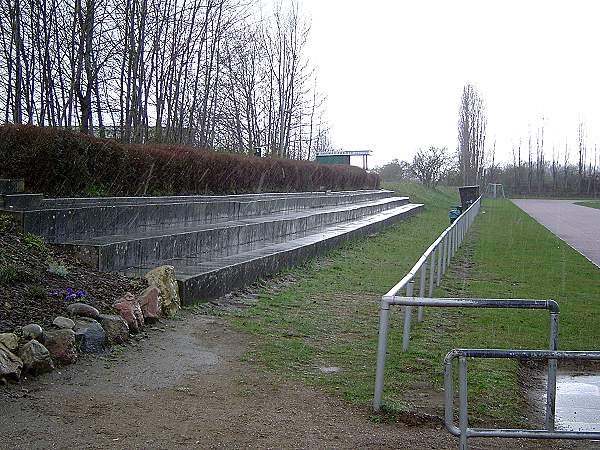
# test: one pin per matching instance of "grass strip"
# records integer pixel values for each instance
(590, 204)
(329, 316)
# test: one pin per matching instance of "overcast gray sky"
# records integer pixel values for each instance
(393, 71)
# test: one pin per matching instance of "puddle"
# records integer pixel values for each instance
(329, 370)
(578, 402)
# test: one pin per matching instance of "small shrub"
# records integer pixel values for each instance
(37, 293)
(6, 222)
(34, 242)
(96, 190)
(57, 268)
(9, 275)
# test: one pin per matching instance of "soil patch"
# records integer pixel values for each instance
(30, 292)
(187, 387)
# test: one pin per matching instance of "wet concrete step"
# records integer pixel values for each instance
(202, 280)
(63, 220)
(113, 253)
(78, 202)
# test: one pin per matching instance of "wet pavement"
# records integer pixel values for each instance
(578, 402)
(578, 226)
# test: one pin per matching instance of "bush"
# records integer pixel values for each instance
(11, 274)
(57, 268)
(34, 243)
(37, 293)
(6, 222)
(59, 162)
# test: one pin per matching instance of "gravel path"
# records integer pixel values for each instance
(578, 226)
(187, 386)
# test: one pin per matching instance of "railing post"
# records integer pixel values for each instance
(448, 250)
(407, 318)
(422, 293)
(444, 248)
(384, 313)
(463, 417)
(431, 272)
(551, 385)
(439, 263)
(455, 239)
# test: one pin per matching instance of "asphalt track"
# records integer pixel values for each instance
(578, 226)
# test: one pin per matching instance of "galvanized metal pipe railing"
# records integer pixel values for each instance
(463, 431)
(437, 257)
(429, 269)
(409, 302)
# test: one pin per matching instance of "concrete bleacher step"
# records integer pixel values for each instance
(211, 240)
(60, 220)
(200, 279)
(215, 243)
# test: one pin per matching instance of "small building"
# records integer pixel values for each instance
(342, 156)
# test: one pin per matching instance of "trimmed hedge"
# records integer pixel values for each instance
(60, 162)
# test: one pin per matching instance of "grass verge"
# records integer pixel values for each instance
(329, 316)
(590, 204)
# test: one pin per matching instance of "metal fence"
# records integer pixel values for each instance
(463, 431)
(430, 267)
(428, 272)
(549, 305)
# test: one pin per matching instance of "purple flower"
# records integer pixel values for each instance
(81, 294)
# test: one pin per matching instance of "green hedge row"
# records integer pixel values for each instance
(60, 162)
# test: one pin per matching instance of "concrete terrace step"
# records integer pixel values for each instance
(213, 240)
(60, 220)
(201, 280)
(112, 201)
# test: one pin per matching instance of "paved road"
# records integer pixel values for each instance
(579, 226)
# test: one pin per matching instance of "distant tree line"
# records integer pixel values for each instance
(573, 170)
(209, 73)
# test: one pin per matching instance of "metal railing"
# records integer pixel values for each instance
(463, 431)
(430, 267)
(549, 305)
(429, 270)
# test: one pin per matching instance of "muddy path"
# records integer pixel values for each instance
(188, 386)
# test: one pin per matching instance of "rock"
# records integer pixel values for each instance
(32, 331)
(10, 341)
(36, 358)
(163, 278)
(10, 365)
(63, 322)
(61, 345)
(151, 301)
(89, 335)
(131, 311)
(83, 310)
(117, 330)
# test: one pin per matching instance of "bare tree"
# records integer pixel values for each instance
(472, 124)
(429, 165)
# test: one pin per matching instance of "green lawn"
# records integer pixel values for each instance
(590, 204)
(329, 316)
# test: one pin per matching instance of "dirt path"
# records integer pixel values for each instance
(578, 226)
(187, 387)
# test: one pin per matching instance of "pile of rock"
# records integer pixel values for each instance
(86, 330)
